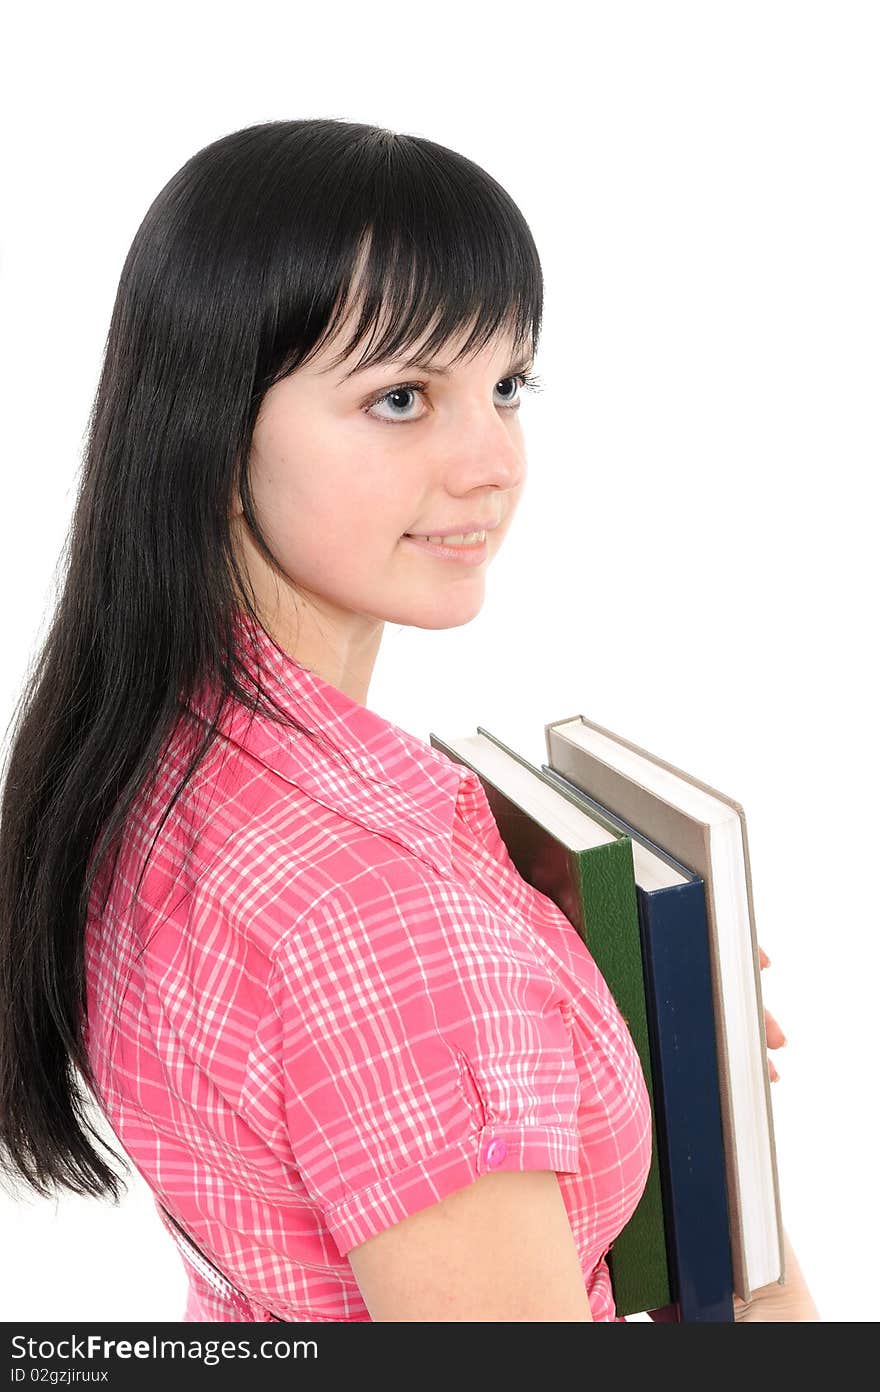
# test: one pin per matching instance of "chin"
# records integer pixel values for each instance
(444, 612)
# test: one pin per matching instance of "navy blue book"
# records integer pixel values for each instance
(681, 1030)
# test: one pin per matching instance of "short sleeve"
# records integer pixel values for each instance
(421, 1044)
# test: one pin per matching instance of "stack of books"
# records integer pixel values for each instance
(651, 867)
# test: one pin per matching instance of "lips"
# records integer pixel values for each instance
(462, 530)
(466, 555)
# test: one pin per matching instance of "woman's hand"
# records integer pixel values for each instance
(774, 1304)
(775, 1038)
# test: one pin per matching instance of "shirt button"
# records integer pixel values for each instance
(495, 1154)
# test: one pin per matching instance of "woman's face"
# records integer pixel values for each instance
(341, 469)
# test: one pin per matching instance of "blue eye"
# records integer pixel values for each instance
(525, 380)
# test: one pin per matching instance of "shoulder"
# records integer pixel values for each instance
(277, 838)
(270, 857)
(381, 910)
(288, 867)
(396, 960)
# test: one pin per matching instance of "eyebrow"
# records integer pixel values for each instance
(425, 365)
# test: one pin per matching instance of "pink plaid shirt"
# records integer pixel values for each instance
(333, 1000)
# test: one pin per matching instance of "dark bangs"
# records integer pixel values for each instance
(424, 242)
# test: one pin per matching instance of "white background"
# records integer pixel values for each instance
(693, 563)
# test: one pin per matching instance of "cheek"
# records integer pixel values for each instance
(322, 525)
(326, 485)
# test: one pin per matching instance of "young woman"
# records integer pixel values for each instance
(362, 1065)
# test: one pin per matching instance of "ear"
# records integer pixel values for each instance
(236, 507)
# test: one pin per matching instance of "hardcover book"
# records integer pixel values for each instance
(681, 1029)
(704, 830)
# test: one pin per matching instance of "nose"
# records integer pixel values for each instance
(483, 450)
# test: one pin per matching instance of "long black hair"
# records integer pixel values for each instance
(243, 267)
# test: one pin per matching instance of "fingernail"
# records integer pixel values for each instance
(784, 1041)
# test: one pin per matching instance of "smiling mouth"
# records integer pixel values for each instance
(461, 539)
(470, 554)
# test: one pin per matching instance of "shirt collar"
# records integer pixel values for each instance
(394, 783)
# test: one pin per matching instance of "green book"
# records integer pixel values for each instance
(586, 867)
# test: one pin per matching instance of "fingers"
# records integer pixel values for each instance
(775, 1037)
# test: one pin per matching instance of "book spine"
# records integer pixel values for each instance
(681, 1026)
(637, 1261)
